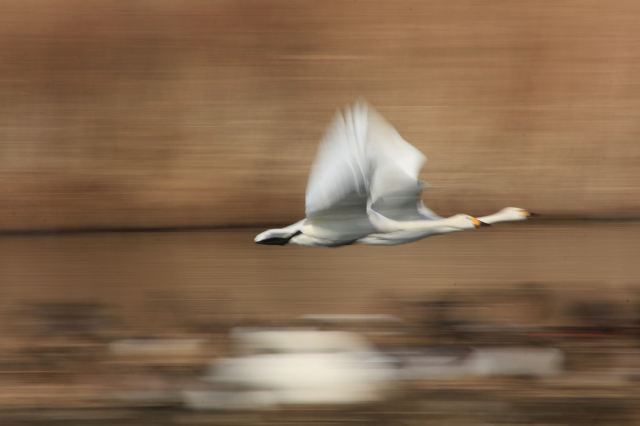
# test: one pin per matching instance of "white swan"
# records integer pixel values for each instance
(364, 188)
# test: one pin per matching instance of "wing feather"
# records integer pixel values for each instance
(395, 188)
(362, 163)
(339, 180)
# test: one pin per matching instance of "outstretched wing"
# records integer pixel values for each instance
(395, 188)
(362, 163)
(338, 185)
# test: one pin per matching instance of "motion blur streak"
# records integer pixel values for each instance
(166, 114)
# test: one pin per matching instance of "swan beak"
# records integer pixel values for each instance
(477, 223)
(529, 214)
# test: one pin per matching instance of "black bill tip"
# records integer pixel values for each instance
(276, 241)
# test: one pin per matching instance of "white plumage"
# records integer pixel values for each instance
(364, 188)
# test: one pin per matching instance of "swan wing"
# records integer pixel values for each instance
(395, 188)
(338, 185)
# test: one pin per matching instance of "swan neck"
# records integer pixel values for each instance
(496, 218)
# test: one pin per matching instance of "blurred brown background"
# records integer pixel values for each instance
(197, 113)
(200, 113)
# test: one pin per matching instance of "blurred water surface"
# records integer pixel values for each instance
(109, 328)
(157, 279)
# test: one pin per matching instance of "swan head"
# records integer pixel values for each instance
(516, 213)
(464, 221)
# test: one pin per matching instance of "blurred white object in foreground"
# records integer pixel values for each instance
(485, 362)
(532, 362)
(295, 367)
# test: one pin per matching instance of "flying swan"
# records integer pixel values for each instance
(364, 188)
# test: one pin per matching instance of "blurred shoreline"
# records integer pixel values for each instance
(552, 221)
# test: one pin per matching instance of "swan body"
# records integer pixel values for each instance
(364, 188)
